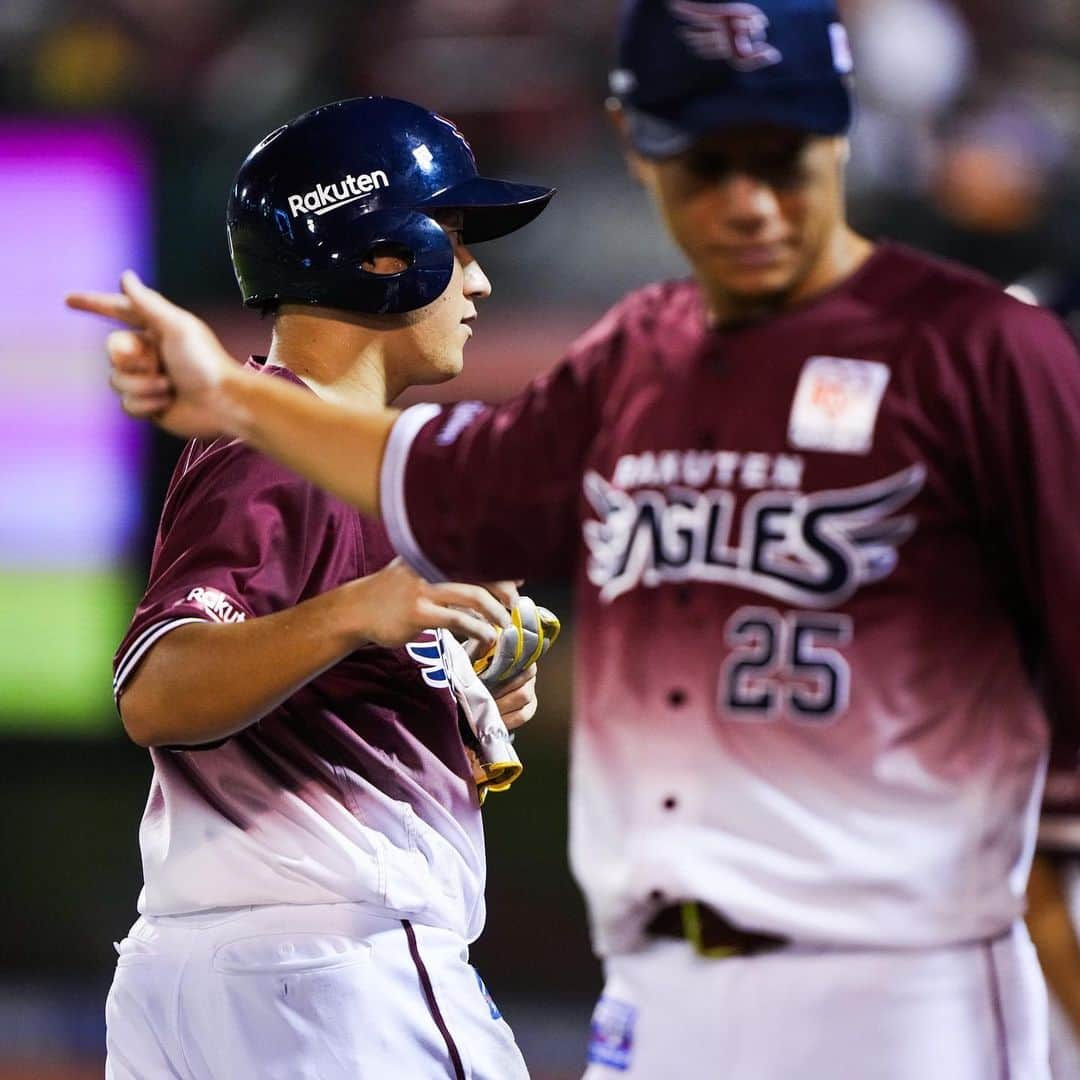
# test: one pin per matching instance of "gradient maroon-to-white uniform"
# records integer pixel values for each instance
(311, 883)
(826, 577)
(355, 789)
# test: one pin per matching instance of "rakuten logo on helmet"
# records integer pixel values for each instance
(327, 197)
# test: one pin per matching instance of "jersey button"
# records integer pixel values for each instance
(676, 697)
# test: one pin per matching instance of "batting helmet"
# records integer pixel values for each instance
(327, 191)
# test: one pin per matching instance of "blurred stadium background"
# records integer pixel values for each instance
(122, 124)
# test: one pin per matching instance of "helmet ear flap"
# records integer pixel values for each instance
(421, 268)
(336, 274)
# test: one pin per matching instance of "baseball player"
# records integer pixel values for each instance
(312, 845)
(820, 505)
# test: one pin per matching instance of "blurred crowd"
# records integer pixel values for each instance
(967, 139)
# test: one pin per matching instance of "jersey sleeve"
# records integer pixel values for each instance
(234, 543)
(1024, 458)
(481, 493)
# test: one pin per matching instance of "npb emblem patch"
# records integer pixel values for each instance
(611, 1034)
(836, 404)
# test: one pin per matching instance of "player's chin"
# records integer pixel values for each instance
(443, 367)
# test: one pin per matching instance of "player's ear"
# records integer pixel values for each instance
(617, 116)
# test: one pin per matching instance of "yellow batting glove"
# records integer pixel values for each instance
(532, 631)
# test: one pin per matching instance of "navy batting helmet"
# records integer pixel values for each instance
(322, 194)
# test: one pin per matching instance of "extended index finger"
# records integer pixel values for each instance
(110, 305)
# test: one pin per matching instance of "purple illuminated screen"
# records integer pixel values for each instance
(77, 214)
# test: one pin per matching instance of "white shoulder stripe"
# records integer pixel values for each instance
(136, 646)
(137, 649)
(395, 513)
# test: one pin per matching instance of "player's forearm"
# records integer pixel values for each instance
(338, 449)
(1055, 940)
(206, 681)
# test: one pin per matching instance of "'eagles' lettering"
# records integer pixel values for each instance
(813, 550)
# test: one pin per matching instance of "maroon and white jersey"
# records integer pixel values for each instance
(357, 788)
(827, 583)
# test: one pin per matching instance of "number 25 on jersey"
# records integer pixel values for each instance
(785, 665)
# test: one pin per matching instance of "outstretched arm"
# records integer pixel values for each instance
(499, 502)
(170, 367)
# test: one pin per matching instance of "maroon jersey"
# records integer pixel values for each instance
(357, 788)
(827, 577)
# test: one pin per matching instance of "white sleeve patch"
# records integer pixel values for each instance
(395, 513)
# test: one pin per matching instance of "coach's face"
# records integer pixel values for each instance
(754, 209)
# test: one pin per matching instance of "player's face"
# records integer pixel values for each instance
(429, 347)
(754, 210)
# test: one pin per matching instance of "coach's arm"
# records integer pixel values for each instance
(170, 367)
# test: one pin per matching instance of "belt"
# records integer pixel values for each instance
(709, 932)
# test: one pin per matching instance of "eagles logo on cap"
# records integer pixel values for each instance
(690, 67)
(731, 32)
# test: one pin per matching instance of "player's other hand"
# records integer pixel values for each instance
(169, 366)
(517, 699)
(395, 605)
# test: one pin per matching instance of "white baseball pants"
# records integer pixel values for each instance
(969, 1012)
(313, 992)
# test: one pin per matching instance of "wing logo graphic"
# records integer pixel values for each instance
(731, 32)
(814, 550)
(429, 655)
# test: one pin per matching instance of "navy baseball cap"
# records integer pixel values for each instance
(690, 67)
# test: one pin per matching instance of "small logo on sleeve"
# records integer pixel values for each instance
(611, 1034)
(836, 404)
(216, 604)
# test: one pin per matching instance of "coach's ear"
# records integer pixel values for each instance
(617, 116)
